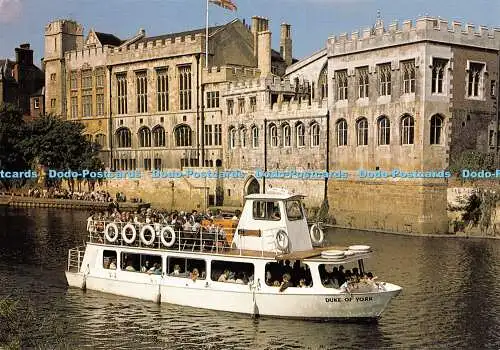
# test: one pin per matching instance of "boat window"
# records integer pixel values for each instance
(293, 273)
(186, 268)
(232, 272)
(266, 210)
(293, 210)
(350, 277)
(144, 263)
(109, 259)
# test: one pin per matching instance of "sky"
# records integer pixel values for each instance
(313, 21)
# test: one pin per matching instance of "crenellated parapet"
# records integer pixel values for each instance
(229, 73)
(63, 26)
(424, 29)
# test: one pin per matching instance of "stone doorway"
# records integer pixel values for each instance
(252, 186)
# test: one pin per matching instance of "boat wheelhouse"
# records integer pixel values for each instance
(262, 264)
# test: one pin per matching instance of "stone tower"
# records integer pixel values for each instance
(262, 44)
(286, 43)
(60, 36)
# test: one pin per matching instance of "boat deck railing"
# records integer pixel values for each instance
(75, 258)
(212, 239)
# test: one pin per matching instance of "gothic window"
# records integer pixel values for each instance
(287, 135)
(273, 134)
(100, 139)
(158, 136)
(255, 136)
(162, 90)
(208, 135)
(230, 107)
(362, 132)
(315, 135)
(407, 130)
(218, 135)
(409, 74)
(121, 80)
(363, 82)
(438, 69)
(384, 74)
(142, 92)
(341, 77)
(301, 134)
(384, 131)
(185, 87)
(183, 137)
(475, 75)
(436, 129)
(123, 138)
(253, 104)
(243, 137)
(323, 83)
(341, 132)
(144, 137)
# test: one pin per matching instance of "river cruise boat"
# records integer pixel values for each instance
(266, 263)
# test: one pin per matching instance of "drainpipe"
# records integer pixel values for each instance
(110, 122)
(202, 127)
(198, 108)
(265, 157)
(327, 167)
(497, 160)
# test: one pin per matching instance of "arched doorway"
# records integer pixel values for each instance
(252, 186)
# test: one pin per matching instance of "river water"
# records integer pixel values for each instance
(450, 298)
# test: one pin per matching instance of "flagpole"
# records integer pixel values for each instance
(206, 41)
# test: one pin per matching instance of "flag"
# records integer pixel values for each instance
(227, 4)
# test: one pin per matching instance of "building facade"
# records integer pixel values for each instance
(20, 80)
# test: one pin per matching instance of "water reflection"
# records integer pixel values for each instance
(448, 299)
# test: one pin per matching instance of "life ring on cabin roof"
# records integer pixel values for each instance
(124, 233)
(315, 229)
(143, 232)
(115, 232)
(164, 231)
(282, 240)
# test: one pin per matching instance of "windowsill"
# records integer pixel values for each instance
(475, 98)
(384, 146)
(362, 146)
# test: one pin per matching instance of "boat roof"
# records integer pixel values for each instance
(275, 193)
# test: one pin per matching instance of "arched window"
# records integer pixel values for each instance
(407, 130)
(436, 129)
(362, 132)
(159, 136)
(255, 136)
(123, 138)
(183, 137)
(287, 135)
(384, 131)
(300, 131)
(315, 135)
(87, 137)
(144, 137)
(273, 134)
(232, 137)
(100, 139)
(323, 83)
(243, 137)
(341, 132)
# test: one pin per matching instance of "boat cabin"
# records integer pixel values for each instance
(273, 222)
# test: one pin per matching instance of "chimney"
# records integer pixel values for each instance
(259, 24)
(264, 53)
(286, 43)
(24, 55)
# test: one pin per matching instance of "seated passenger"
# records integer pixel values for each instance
(302, 283)
(112, 265)
(177, 271)
(146, 267)
(231, 278)
(130, 267)
(224, 277)
(153, 269)
(276, 283)
(239, 279)
(194, 275)
(286, 282)
(276, 216)
(269, 278)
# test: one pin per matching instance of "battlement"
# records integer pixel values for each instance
(229, 73)
(423, 29)
(274, 84)
(63, 26)
(316, 107)
(87, 54)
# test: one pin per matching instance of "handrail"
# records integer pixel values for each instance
(212, 237)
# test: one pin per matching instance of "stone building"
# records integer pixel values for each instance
(19, 80)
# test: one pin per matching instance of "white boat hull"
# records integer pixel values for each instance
(296, 303)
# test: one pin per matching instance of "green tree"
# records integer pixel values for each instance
(59, 145)
(472, 160)
(12, 130)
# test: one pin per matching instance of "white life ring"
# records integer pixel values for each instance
(151, 231)
(169, 230)
(282, 240)
(114, 236)
(316, 229)
(124, 233)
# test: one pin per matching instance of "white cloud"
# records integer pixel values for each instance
(9, 10)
